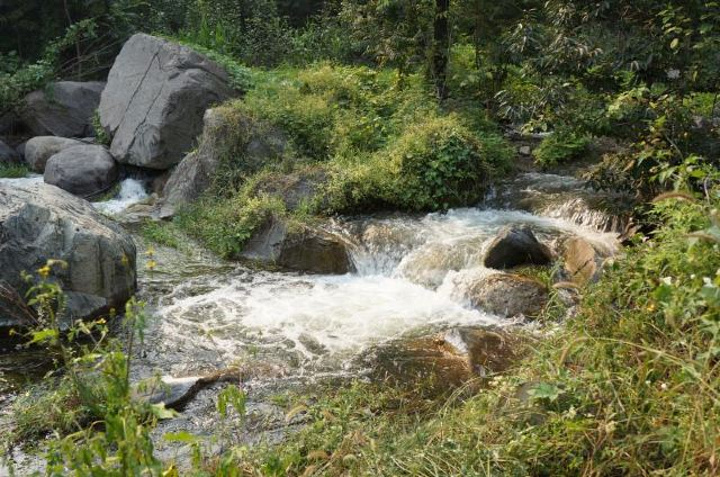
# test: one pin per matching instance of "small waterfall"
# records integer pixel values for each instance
(563, 197)
(131, 192)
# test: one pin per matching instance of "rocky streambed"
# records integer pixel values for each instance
(420, 297)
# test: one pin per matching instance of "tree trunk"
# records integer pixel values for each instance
(441, 47)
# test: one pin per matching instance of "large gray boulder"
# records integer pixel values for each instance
(39, 149)
(64, 108)
(154, 102)
(298, 248)
(8, 154)
(40, 222)
(516, 246)
(85, 171)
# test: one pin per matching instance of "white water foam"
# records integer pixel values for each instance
(131, 192)
(30, 180)
(413, 274)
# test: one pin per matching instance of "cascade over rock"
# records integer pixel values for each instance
(515, 246)
(64, 108)
(303, 249)
(40, 222)
(154, 102)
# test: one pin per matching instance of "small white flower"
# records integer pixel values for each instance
(664, 386)
(667, 280)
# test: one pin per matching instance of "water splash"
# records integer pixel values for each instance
(413, 273)
(131, 192)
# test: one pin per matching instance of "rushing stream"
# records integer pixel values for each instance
(412, 278)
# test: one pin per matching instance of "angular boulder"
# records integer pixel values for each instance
(8, 154)
(508, 295)
(85, 171)
(40, 222)
(64, 108)
(224, 130)
(302, 249)
(39, 149)
(155, 99)
(515, 246)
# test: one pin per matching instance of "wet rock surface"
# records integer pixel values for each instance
(516, 246)
(298, 248)
(509, 295)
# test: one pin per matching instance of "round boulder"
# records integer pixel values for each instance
(40, 222)
(39, 149)
(515, 246)
(85, 171)
(64, 108)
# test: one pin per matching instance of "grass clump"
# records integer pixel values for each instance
(225, 226)
(13, 171)
(561, 147)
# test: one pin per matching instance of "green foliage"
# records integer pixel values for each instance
(17, 82)
(101, 135)
(162, 233)
(561, 146)
(670, 149)
(13, 171)
(240, 77)
(368, 140)
(225, 226)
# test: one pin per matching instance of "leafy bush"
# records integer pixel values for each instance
(225, 226)
(561, 146)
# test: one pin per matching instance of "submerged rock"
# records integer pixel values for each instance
(39, 149)
(508, 295)
(64, 108)
(40, 222)
(515, 246)
(85, 171)
(446, 360)
(155, 99)
(299, 248)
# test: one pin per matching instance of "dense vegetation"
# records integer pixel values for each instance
(400, 105)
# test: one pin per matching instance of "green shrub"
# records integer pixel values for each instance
(560, 147)
(225, 226)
